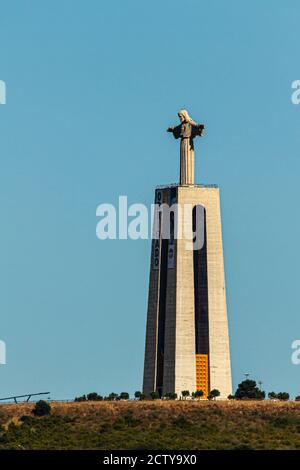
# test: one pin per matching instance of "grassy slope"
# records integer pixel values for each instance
(153, 425)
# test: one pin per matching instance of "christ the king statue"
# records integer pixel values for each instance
(186, 131)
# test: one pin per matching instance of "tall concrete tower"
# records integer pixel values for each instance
(187, 343)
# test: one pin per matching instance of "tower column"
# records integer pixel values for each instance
(187, 343)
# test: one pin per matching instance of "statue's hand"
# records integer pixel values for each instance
(201, 129)
(170, 129)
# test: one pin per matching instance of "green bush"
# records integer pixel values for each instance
(26, 419)
(248, 390)
(213, 394)
(42, 408)
(124, 396)
(82, 398)
(139, 395)
(93, 396)
(112, 396)
(283, 396)
(279, 396)
(171, 396)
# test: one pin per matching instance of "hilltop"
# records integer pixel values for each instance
(153, 425)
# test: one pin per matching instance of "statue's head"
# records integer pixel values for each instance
(184, 116)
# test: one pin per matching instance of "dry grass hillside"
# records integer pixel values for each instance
(153, 425)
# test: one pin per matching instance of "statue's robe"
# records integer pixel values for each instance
(186, 132)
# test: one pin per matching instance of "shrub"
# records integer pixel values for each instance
(112, 396)
(42, 408)
(248, 390)
(297, 398)
(283, 396)
(231, 397)
(93, 396)
(214, 393)
(82, 398)
(139, 395)
(198, 394)
(279, 396)
(26, 418)
(171, 396)
(124, 396)
(154, 395)
(185, 393)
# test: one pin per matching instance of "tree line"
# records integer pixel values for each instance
(246, 390)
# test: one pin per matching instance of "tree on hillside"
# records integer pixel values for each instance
(42, 408)
(248, 390)
(139, 395)
(185, 393)
(124, 396)
(279, 396)
(297, 398)
(198, 393)
(154, 395)
(93, 396)
(112, 396)
(213, 394)
(82, 398)
(283, 396)
(171, 396)
(231, 397)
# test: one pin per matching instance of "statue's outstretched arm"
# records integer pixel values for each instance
(175, 131)
(198, 129)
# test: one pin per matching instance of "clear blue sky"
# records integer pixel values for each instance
(91, 88)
